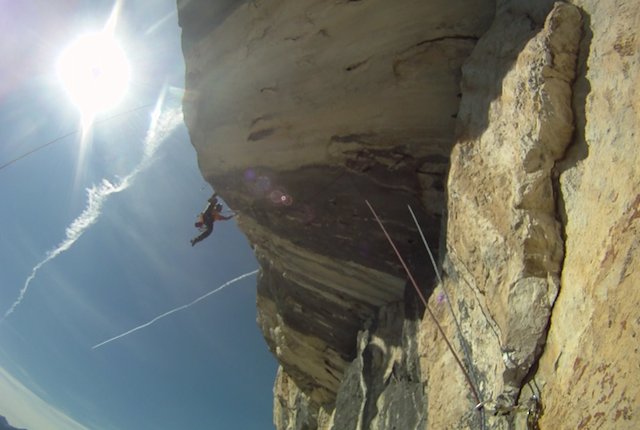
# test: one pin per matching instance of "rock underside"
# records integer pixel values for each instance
(508, 126)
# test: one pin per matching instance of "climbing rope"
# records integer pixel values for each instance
(472, 388)
(465, 347)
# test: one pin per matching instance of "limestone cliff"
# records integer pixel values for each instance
(299, 111)
(527, 111)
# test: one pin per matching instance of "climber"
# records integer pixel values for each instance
(206, 218)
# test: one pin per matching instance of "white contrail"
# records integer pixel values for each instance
(172, 311)
(162, 125)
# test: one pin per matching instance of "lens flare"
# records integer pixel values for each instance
(286, 200)
(280, 197)
(250, 175)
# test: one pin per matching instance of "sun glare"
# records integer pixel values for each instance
(95, 73)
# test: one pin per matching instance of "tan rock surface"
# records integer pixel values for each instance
(293, 409)
(503, 239)
(591, 366)
(587, 376)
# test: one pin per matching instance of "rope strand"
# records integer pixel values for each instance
(426, 305)
(465, 347)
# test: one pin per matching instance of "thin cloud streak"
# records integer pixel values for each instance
(162, 125)
(178, 309)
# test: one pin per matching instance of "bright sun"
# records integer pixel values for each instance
(95, 73)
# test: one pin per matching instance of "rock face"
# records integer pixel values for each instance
(504, 243)
(507, 236)
(293, 409)
(590, 365)
(542, 227)
(299, 111)
(541, 241)
(382, 387)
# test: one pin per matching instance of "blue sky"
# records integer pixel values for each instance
(206, 367)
